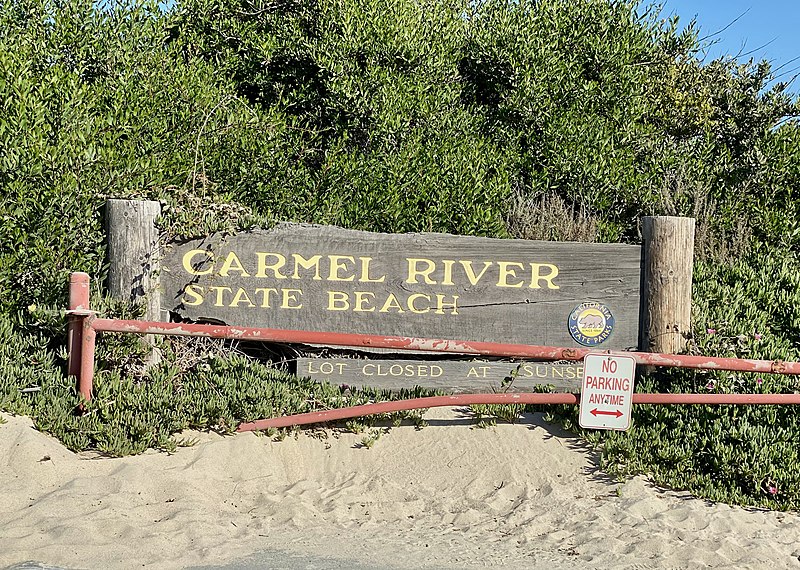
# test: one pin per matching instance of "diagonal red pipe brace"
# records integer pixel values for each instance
(413, 404)
(506, 398)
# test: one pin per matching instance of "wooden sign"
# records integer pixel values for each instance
(319, 278)
(446, 375)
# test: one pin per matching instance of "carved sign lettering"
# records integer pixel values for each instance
(446, 375)
(418, 285)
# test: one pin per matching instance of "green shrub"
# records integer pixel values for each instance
(737, 454)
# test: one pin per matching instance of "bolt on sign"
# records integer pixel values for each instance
(606, 392)
(321, 278)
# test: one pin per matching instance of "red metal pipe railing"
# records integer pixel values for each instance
(84, 323)
(474, 348)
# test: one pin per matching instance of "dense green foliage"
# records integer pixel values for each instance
(539, 119)
(745, 454)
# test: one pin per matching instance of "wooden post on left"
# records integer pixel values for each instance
(133, 258)
(133, 253)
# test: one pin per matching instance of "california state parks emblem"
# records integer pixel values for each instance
(591, 323)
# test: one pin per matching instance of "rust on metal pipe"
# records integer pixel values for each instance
(440, 345)
(78, 291)
(83, 327)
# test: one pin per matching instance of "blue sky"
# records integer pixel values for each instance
(768, 28)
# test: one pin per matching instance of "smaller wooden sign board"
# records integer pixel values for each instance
(452, 376)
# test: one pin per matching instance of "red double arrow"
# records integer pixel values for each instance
(595, 412)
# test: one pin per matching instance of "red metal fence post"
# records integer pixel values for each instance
(86, 379)
(80, 334)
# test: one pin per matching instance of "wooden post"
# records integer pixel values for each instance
(133, 253)
(668, 256)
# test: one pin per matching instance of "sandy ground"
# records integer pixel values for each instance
(447, 496)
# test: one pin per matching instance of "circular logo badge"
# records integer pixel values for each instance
(591, 323)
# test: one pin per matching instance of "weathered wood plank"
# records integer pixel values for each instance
(420, 285)
(451, 376)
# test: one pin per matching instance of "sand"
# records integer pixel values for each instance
(450, 495)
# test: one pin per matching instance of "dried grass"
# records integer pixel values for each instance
(682, 195)
(549, 217)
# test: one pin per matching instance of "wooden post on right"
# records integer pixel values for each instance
(666, 309)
